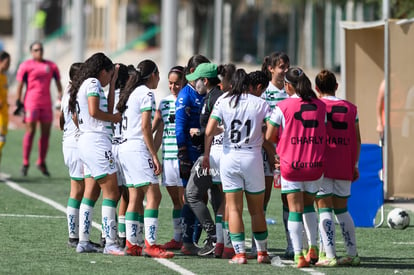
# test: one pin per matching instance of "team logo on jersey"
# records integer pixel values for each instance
(47, 68)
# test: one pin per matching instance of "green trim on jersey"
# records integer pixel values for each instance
(291, 191)
(130, 185)
(255, 193)
(273, 124)
(100, 176)
(233, 190)
(342, 197)
(73, 178)
(216, 118)
(145, 109)
(93, 94)
(88, 176)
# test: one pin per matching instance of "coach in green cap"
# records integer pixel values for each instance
(204, 70)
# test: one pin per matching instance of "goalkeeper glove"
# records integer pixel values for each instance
(184, 163)
(19, 108)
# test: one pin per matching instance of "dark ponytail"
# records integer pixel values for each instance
(272, 60)
(137, 78)
(301, 83)
(239, 85)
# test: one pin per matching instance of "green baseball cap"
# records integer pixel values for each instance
(207, 70)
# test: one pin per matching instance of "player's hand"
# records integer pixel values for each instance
(184, 163)
(356, 174)
(19, 108)
(117, 118)
(206, 163)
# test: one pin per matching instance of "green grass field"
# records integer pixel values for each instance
(33, 233)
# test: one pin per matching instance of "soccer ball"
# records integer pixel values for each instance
(398, 218)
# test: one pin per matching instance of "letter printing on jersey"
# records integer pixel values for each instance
(241, 166)
(300, 120)
(341, 143)
(70, 141)
(272, 96)
(135, 158)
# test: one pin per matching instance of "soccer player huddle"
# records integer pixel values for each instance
(224, 134)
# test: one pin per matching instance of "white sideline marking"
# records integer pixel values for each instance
(32, 216)
(402, 242)
(62, 208)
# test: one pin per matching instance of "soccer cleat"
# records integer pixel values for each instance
(218, 250)
(24, 170)
(312, 255)
(263, 257)
(189, 249)
(113, 249)
(155, 251)
(239, 259)
(173, 244)
(73, 242)
(42, 167)
(300, 261)
(87, 247)
(132, 249)
(349, 260)
(289, 254)
(228, 253)
(326, 262)
(208, 247)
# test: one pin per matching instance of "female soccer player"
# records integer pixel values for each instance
(37, 74)
(164, 124)
(301, 150)
(94, 117)
(341, 168)
(140, 161)
(4, 106)
(275, 66)
(241, 165)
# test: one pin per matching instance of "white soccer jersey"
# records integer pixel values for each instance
(70, 131)
(140, 100)
(273, 95)
(169, 140)
(117, 129)
(92, 87)
(243, 123)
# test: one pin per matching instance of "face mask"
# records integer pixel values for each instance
(200, 87)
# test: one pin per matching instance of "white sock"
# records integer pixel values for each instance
(121, 227)
(85, 219)
(348, 232)
(310, 222)
(72, 215)
(151, 225)
(285, 214)
(131, 227)
(219, 229)
(327, 231)
(109, 224)
(238, 242)
(295, 227)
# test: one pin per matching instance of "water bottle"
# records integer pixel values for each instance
(276, 261)
(270, 221)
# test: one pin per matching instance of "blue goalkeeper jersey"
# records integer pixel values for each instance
(187, 115)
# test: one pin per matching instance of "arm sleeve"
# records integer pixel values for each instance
(181, 118)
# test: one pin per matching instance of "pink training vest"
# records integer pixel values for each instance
(341, 149)
(37, 75)
(303, 139)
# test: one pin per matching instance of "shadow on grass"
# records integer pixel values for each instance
(387, 263)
